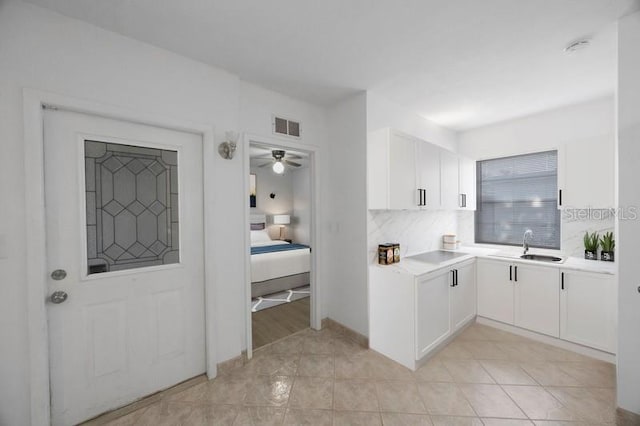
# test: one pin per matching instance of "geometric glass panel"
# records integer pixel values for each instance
(132, 206)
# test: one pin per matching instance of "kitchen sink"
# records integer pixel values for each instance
(541, 258)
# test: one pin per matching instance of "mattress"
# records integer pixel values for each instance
(267, 266)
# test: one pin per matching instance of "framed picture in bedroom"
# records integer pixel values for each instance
(252, 190)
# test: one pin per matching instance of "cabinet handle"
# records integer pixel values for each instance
(453, 278)
(456, 275)
(422, 197)
(560, 197)
(515, 273)
(463, 200)
(510, 272)
(562, 280)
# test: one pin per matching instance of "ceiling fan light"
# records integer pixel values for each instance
(278, 167)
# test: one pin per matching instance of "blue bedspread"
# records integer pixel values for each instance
(277, 247)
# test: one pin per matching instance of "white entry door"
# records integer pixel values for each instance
(124, 217)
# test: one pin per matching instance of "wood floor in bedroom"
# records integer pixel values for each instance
(280, 321)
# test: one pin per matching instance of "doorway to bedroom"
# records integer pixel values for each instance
(280, 229)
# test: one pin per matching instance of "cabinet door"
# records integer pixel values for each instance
(581, 186)
(588, 310)
(432, 311)
(449, 180)
(403, 187)
(378, 169)
(537, 299)
(428, 173)
(495, 290)
(467, 183)
(463, 295)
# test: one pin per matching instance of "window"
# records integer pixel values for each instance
(515, 194)
(132, 206)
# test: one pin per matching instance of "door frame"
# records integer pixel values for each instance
(34, 102)
(314, 202)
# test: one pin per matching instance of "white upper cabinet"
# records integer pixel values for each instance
(428, 172)
(449, 180)
(402, 173)
(466, 183)
(586, 174)
(406, 173)
(392, 182)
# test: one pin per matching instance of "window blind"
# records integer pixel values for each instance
(515, 194)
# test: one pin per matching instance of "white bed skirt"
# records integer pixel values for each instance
(267, 266)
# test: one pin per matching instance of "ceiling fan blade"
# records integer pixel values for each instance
(291, 163)
(294, 156)
(266, 164)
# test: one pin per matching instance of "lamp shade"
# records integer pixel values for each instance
(281, 219)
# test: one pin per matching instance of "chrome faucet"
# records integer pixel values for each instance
(528, 235)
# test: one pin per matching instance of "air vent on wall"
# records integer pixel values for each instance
(282, 126)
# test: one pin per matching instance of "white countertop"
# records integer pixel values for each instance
(416, 267)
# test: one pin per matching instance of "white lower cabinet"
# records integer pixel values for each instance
(410, 315)
(433, 311)
(495, 290)
(463, 294)
(523, 295)
(588, 309)
(537, 299)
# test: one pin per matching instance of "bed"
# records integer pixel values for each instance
(276, 265)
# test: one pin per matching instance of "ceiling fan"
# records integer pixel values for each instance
(278, 160)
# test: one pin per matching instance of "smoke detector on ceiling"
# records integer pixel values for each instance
(577, 45)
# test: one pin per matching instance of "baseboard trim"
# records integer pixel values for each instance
(626, 418)
(433, 352)
(233, 363)
(562, 344)
(360, 339)
(110, 416)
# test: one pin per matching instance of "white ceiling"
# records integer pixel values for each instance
(460, 63)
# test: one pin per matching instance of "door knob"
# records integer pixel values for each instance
(58, 297)
(59, 274)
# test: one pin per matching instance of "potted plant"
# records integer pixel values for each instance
(591, 243)
(608, 244)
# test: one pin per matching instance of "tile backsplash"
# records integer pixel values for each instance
(415, 231)
(420, 231)
(574, 224)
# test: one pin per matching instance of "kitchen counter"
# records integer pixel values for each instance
(415, 267)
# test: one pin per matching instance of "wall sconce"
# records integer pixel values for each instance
(228, 148)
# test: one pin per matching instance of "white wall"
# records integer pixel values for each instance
(346, 228)
(551, 129)
(629, 196)
(268, 182)
(384, 113)
(578, 129)
(45, 51)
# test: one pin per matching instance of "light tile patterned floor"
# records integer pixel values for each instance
(484, 377)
